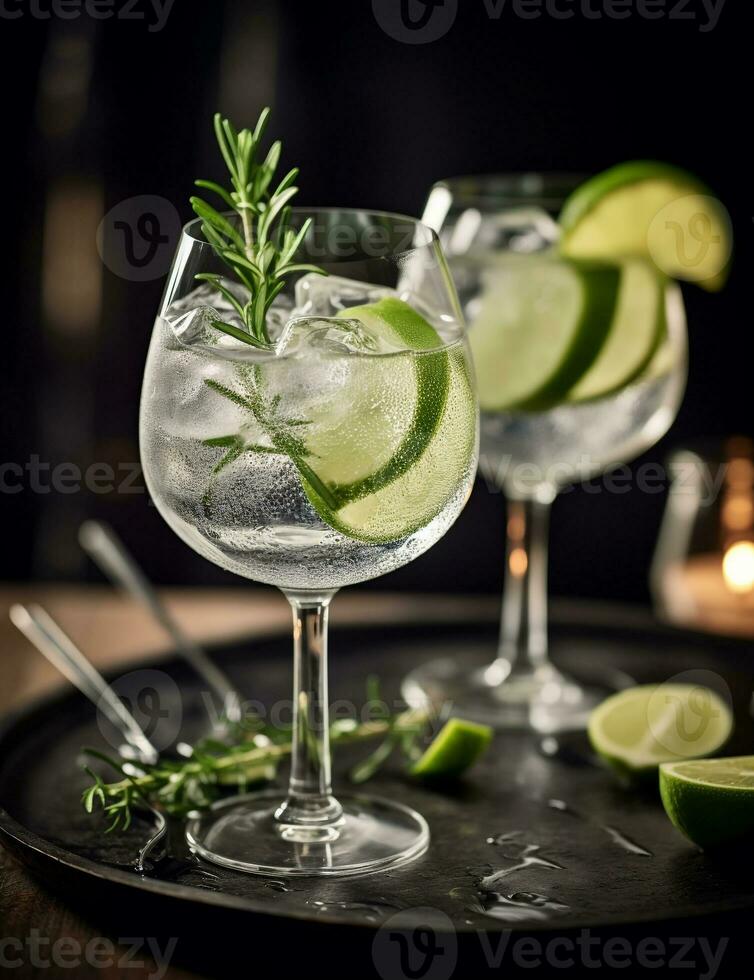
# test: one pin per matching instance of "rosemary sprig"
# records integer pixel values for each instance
(281, 432)
(180, 786)
(261, 253)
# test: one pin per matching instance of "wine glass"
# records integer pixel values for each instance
(553, 413)
(340, 453)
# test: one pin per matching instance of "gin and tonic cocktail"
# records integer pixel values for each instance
(581, 365)
(339, 447)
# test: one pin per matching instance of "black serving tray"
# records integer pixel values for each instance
(610, 856)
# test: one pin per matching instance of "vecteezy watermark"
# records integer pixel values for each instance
(344, 235)
(694, 233)
(498, 473)
(424, 21)
(41, 477)
(345, 715)
(154, 13)
(137, 238)
(154, 701)
(503, 473)
(421, 944)
(680, 724)
(590, 952)
(39, 952)
(416, 944)
(415, 21)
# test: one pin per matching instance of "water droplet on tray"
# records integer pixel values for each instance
(619, 838)
(521, 853)
(277, 886)
(519, 906)
(369, 911)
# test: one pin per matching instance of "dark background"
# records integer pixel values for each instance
(96, 112)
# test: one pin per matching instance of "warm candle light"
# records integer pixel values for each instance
(518, 562)
(703, 573)
(738, 567)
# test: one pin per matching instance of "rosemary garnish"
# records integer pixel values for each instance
(180, 786)
(281, 433)
(261, 253)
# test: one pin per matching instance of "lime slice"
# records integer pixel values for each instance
(540, 324)
(391, 405)
(362, 465)
(651, 210)
(637, 729)
(396, 448)
(455, 748)
(712, 801)
(637, 329)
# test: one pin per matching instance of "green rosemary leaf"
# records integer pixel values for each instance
(292, 241)
(221, 441)
(216, 220)
(210, 185)
(228, 393)
(277, 203)
(230, 457)
(220, 135)
(267, 170)
(261, 124)
(213, 237)
(241, 263)
(235, 332)
(316, 483)
(365, 769)
(272, 293)
(286, 181)
(305, 267)
(216, 281)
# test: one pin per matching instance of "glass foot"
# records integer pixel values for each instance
(543, 699)
(372, 835)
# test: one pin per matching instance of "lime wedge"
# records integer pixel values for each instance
(637, 729)
(712, 801)
(455, 748)
(637, 329)
(398, 445)
(651, 210)
(540, 324)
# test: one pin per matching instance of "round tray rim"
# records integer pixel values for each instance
(31, 849)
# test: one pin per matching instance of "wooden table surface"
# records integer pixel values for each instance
(111, 629)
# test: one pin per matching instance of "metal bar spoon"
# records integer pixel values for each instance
(53, 643)
(109, 553)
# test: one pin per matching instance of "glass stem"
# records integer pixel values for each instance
(523, 628)
(310, 811)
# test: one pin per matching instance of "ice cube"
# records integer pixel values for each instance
(194, 328)
(278, 318)
(326, 296)
(339, 335)
(524, 229)
(192, 317)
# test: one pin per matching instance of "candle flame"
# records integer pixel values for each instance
(738, 567)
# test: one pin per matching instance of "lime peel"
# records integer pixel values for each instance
(456, 747)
